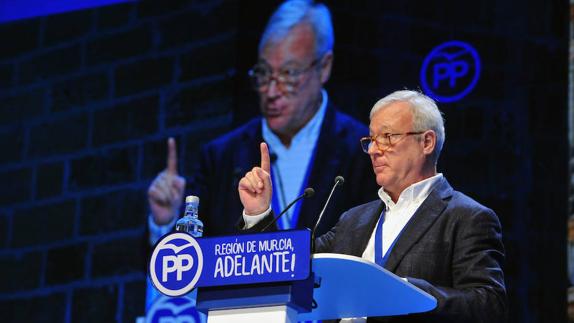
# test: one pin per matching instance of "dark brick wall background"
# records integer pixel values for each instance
(87, 99)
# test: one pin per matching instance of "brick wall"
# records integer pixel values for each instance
(88, 98)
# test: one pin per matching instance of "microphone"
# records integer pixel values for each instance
(339, 181)
(307, 193)
(272, 157)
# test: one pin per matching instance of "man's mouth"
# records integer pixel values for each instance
(379, 166)
(271, 111)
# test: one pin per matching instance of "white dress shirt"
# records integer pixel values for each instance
(397, 215)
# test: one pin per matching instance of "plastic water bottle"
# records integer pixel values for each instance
(190, 222)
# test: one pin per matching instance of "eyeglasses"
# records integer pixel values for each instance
(287, 78)
(384, 141)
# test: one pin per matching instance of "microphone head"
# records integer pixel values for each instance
(309, 192)
(339, 180)
(272, 157)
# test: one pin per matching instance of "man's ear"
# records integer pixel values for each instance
(326, 64)
(429, 142)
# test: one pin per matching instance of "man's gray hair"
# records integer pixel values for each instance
(294, 12)
(426, 115)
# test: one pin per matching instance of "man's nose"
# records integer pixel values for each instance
(373, 149)
(273, 89)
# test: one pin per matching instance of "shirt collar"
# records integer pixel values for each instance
(309, 131)
(416, 193)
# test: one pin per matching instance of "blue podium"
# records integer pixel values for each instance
(354, 287)
(341, 286)
(272, 277)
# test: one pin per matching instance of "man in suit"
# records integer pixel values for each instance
(311, 142)
(436, 238)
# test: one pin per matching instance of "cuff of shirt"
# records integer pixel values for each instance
(158, 231)
(251, 220)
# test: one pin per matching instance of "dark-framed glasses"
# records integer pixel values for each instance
(287, 78)
(385, 141)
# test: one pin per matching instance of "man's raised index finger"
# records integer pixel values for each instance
(171, 156)
(265, 161)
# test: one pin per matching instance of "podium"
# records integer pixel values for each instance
(341, 286)
(272, 277)
(354, 287)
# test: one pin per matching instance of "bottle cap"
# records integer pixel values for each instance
(192, 199)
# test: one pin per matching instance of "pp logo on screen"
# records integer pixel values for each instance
(176, 264)
(450, 71)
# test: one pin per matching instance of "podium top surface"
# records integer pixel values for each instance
(354, 287)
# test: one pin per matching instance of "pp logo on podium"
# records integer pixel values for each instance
(450, 71)
(176, 264)
(167, 309)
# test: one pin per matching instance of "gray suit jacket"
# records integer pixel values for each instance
(451, 248)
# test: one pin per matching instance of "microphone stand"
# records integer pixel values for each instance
(339, 180)
(307, 193)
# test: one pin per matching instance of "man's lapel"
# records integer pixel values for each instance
(430, 210)
(364, 229)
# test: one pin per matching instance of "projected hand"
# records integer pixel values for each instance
(165, 194)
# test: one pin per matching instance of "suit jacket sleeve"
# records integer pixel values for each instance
(477, 293)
